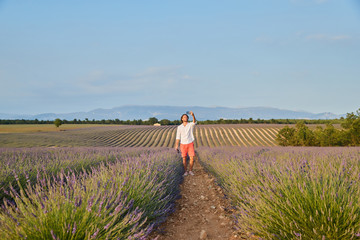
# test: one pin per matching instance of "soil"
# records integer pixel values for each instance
(202, 212)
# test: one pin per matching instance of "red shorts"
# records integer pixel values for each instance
(187, 149)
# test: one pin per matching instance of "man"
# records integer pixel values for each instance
(185, 136)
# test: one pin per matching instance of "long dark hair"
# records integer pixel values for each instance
(182, 117)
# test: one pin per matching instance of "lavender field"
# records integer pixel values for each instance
(123, 193)
(86, 193)
(290, 193)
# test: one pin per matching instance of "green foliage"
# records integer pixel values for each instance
(301, 135)
(152, 121)
(304, 136)
(58, 122)
(165, 122)
(285, 137)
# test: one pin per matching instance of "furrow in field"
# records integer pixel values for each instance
(224, 139)
(129, 138)
(120, 136)
(219, 140)
(236, 138)
(261, 138)
(198, 140)
(170, 142)
(208, 138)
(173, 138)
(265, 134)
(254, 138)
(239, 139)
(144, 137)
(246, 137)
(158, 138)
(229, 136)
(124, 137)
(139, 137)
(203, 138)
(274, 132)
(111, 138)
(168, 136)
(212, 136)
(163, 137)
(153, 135)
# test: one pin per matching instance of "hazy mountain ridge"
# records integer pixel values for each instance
(130, 112)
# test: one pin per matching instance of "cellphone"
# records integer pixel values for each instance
(187, 112)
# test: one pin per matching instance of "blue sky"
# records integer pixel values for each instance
(67, 56)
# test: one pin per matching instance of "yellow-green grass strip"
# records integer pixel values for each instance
(225, 138)
(246, 137)
(258, 137)
(208, 137)
(218, 139)
(240, 139)
(267, 136)
(231, 133)
(229, 136)
(255, 138)
(214, 137)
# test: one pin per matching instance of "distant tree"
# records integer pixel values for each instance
(152, 120)
(165, 122)
(352, 125)
(304, 136)
(286, 136)
(57, 122)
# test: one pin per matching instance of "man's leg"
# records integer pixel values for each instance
(191, 163)
(191, 155)
(184, 163)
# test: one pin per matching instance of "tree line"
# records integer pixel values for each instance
(301, 135)
(154, 120)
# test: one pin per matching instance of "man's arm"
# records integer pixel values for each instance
(193, 115)
(177, 144)
(177, 139)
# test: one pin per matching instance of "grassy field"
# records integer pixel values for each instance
(245, 135)
(29, 128)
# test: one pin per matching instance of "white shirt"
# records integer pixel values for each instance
(185, 133)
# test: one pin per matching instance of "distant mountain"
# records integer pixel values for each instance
(130, 112)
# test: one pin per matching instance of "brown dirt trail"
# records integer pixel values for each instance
(202, 212)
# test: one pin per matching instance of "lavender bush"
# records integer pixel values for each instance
(117, 200)
(26, 164)
(291, 193)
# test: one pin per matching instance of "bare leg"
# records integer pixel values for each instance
(191, 163)
(184, 163)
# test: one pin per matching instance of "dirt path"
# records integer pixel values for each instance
(202, 212)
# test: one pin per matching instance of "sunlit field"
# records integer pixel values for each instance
(29, 128)
(290, 193)
(139, 136)
(110, 182)
(82, 193)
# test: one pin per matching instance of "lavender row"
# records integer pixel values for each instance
(123, 199)
(291, 193)
(26, 164)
